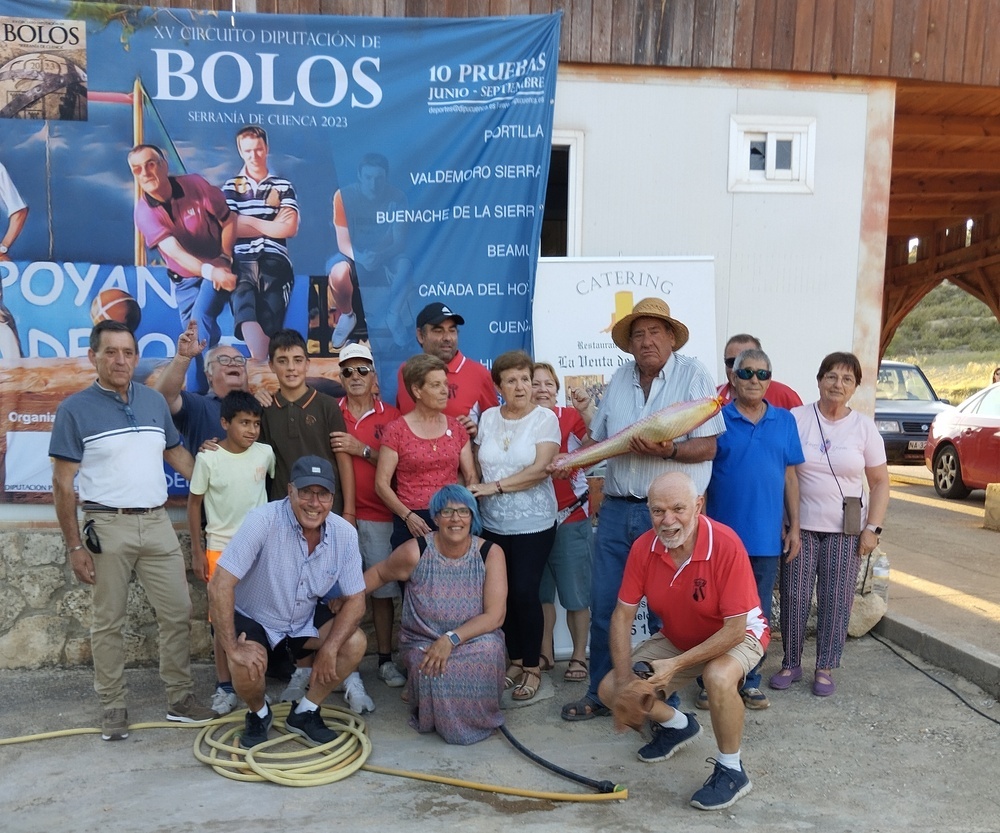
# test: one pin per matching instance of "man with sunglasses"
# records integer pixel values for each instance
(366, 417)
(116, 435)
(754, 486)
(197, 415)
(777, 393)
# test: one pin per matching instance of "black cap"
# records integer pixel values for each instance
(436, 313)
(313, 471)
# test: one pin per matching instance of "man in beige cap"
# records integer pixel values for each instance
(656, 378)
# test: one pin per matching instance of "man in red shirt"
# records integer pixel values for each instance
(366, 418)
(470, 386)
(696, 576)
(777, 394)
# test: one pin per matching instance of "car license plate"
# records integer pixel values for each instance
(916, 445)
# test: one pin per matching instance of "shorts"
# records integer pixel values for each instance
(212, 557)
(293, 645)
(748, 654)
(569, 566)
(263, 287)
(374, 541)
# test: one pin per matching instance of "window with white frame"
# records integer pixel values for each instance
(772, 154)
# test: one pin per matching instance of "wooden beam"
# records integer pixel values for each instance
(934, 125)
(940, 208)
(956, 186)
(908, 227)
(944, 161)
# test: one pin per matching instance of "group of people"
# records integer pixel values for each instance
(455, 504)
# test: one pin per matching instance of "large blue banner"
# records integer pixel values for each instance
(363, 167)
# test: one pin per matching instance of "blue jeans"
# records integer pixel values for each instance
(621, 522)
(765, 572)
(200, 300)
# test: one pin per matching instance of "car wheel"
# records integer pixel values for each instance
(948, 474)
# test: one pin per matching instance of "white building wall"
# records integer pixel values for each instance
(788, 266)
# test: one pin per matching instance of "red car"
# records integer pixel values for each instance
(963, 446)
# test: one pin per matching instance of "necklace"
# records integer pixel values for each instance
(507, 430)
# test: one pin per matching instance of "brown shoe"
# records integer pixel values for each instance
(114, 725)
(188, 711)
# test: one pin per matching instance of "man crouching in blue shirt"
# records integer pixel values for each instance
(264, 592)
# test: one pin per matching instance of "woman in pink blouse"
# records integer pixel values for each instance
(425, 450)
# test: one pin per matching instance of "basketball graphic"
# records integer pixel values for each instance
(116, 305)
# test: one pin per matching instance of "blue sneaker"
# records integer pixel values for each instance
(666, 742)
(255, 728)
(309, 725)
(723, 788)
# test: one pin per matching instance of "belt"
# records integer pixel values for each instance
(128, 510)
(629, 498)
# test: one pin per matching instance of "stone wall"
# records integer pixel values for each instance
(45, 611)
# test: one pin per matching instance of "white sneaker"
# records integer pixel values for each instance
(296, 688)
(345, 325)
(357, 698)
(389, 674)
(224, 701)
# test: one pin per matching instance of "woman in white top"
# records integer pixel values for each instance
(515, 443)
(841, 448)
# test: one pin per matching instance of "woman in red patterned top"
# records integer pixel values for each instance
(425, 450)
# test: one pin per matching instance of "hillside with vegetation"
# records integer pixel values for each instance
(954, 338)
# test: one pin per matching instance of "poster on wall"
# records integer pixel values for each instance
(248, 172)
(594, 293)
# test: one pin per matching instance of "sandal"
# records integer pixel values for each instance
(524, 690)
(576, 675)
(545, 663)
(510, 679)
(584, 709)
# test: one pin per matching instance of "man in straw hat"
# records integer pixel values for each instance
(656, 378)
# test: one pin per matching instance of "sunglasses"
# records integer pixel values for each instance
(348, 372)
(745, 373)
(730, 362)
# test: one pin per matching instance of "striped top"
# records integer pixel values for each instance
(262, 200)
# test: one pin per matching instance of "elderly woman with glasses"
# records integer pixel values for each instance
(842, 449)
(449, 634)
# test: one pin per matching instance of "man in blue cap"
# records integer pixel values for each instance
(265, 596)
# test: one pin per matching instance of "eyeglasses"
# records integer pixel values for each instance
(225, 361)
(449, 512)
(833, 378)
(362, 371)
(730, 362)
(319, 495)
(745, 373)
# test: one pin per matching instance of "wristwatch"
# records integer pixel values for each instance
(366, 452)
(876, 529)
(3, 249)
(456, 640)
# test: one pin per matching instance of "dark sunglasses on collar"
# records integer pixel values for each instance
(348, 372)
(745, 373)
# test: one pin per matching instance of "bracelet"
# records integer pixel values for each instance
(72, 550)
(673, 452)
(499, 488)
(206, 271)
(406, 517)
